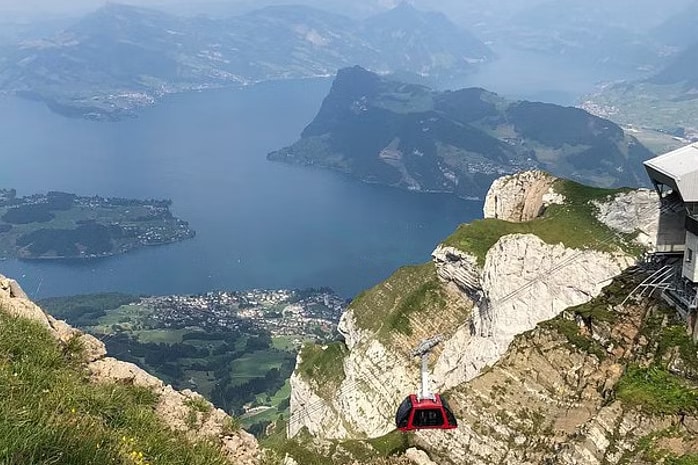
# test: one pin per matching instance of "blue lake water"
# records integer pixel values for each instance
(258, 223)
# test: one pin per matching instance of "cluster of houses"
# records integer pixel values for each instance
(281, 312)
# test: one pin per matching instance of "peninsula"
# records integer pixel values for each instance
(59, 225)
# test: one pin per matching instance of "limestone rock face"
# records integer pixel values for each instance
(633, 211)
(520, 197)
(239, 446)
(16, 303)
(524, 282)
(313, 412)
(460, 268)
(418, 457)
(376, 379)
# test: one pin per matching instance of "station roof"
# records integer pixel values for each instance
(677, 169)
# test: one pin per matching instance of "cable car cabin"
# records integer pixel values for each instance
(416, 414)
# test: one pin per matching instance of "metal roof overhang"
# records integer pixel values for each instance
(659, 177)
(677, 169)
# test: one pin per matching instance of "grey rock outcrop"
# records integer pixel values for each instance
(418, 457)
(173, 406)
(635, 211)
(520, 197)
(460, 268)
(524, 282)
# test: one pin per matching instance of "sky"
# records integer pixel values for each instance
(462, 11)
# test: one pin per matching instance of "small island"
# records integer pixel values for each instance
(58, 225)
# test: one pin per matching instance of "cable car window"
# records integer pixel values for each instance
(449, 413)
(428, 417)
(402, 417)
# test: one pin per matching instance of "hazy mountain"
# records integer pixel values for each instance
(410, 136)
(681, 70)
(601, 34)
(122, 57)
(429, 40)
(679, 30)
(667, 101)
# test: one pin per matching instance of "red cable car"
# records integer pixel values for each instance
(426, 410)
(424, 414)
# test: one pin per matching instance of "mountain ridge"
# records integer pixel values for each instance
(409, 136)
(122, 57)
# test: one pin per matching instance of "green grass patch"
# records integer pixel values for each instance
(392, 443)
(286, 342)
(570, 330)
(427, 295)
(689, 459)
(256, 365)
(129, 317)
(51, 414)
(657, 391)
(595, 312)
(199, 404)
(573, 224)
(389, 306)
(85, 310)
(337, 452)
(323, 367)
(676, 336)
(279, 403)
(164, 336)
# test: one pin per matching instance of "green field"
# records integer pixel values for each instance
(276, 411)
(255, 365)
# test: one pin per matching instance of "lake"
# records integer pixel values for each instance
(259, 224)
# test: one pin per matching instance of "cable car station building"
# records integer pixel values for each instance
(675, 177)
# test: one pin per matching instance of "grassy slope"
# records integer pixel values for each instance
(572, 224)
(52, 414)
(323, 366)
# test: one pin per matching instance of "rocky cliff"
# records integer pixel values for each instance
(184, 412)
(524, 392)
(595, 385)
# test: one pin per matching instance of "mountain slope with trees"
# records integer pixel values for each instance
(409, 136)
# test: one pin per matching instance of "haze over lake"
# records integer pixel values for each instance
(258, 223)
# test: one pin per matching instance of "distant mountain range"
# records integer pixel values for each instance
(610, 39)
(123, 57)
(409, 136)
(604, 35)
(679, 30)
